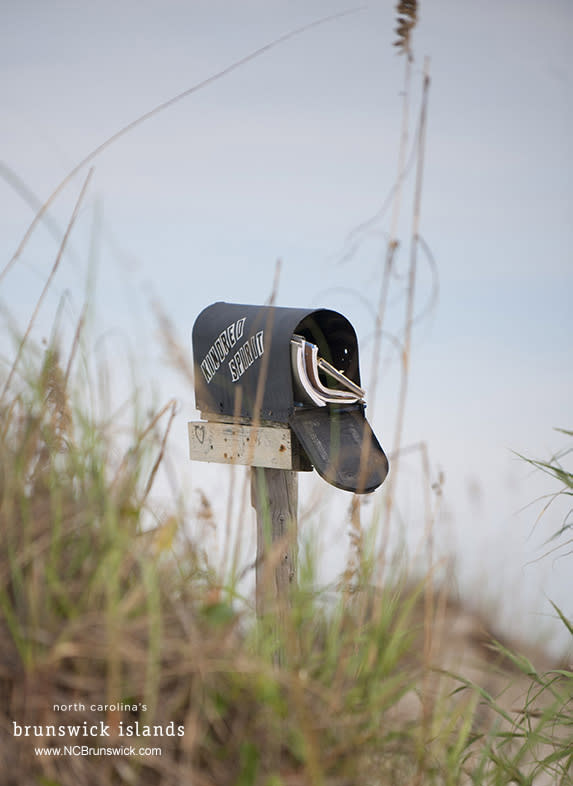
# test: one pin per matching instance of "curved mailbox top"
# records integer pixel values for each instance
(243, 356)
(244, 369)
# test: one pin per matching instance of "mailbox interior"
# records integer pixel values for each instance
(336, 341)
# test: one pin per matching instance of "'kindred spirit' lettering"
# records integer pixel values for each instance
(221, 348)
(241, 360)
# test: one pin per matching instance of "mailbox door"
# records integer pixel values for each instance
(342, 447)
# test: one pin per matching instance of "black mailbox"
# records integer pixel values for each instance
(290, 366)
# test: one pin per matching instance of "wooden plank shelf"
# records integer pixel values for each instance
(275, 447)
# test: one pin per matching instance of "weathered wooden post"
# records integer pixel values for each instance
(274, 496)
(279, 390)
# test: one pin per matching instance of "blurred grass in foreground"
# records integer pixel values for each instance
(102, 603)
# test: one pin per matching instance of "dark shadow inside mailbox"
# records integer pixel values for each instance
(273, 365)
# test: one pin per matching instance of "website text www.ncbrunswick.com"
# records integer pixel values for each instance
(88, 750)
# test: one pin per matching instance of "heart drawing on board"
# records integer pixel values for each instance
(200, 434)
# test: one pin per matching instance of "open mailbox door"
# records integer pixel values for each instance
(268, 365)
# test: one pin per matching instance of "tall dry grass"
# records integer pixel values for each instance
(100, 604)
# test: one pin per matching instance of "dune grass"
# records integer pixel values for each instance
(118, 616)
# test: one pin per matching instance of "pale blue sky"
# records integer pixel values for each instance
(283, 158)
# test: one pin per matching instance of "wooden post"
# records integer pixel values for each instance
(275, 458)
(274, 496)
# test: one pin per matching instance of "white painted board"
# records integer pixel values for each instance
(255, 446)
